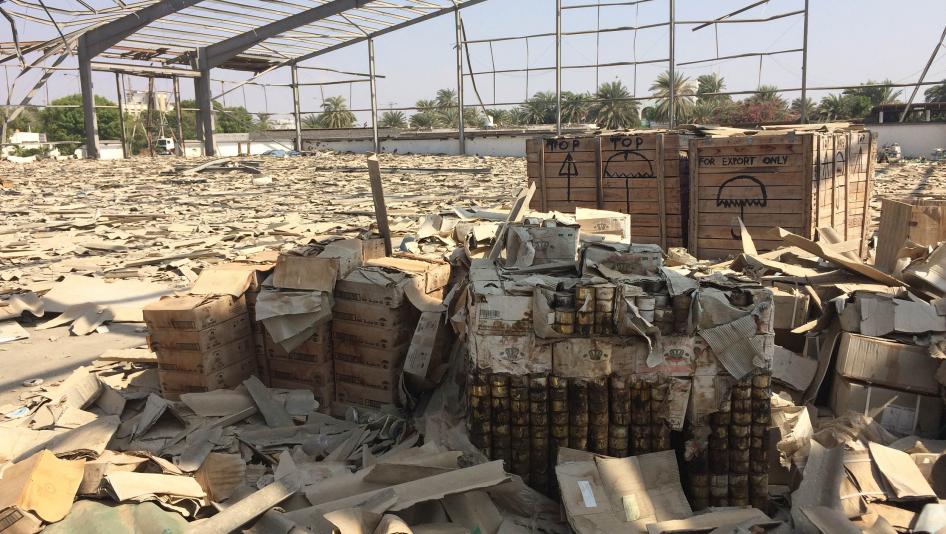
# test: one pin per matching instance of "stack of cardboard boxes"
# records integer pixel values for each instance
(308, 366)
(375, 316)
(202, 342)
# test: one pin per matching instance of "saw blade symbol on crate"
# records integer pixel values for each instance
(568, 170)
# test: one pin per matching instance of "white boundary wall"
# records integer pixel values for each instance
(915, 139)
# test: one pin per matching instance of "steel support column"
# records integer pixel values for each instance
(804, 71)
(460, 121)
(204, 102)
(88, 100)
(672, 106)
(374, 99)
(296, 106)
(121, 114)
(181, 149)
(558, 67)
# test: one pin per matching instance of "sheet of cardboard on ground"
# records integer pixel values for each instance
(41, 484)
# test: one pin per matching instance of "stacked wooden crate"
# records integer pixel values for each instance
(800, 180)
(642, 173)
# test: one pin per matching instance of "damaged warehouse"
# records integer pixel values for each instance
(662, 328)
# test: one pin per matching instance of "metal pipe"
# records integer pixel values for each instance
(296, 106)
(558, 67)
(462, 129)
(205, 102)
(182, 150)
(804, 71)
(88, 100)
(374, 100)
(121, 115)
(672, 108)
(926, 69)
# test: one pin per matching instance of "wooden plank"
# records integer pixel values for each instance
(895, 218)
(750, 192)
(543, 177)
(671, 182)
(380, 209)
(584, 194)
(768, 178)
(569, 207)
(661, 193)
(599, 186)
(762, 245)
(645, 207)
(752, 219)
(772, 206)
(807, 183)
(725, 232)
(865, 220)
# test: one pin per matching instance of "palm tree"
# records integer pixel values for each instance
(446, 98)
(540, 109)
(500, 117)
(705, 111)
(710, 83)
(311, 121)
(519, 115)
(262, 121)
(833, 107)
(575, 107)
(335, 113)
(393, 119)
(882, 94)
(613, 108)
(811, 110)
(683, 96)
(936, 93)
(766, 94)
(424, 119)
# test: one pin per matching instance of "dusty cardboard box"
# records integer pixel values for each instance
(429, 345)
(678, 353)
(40, 486)
(581, 358)
(316, 349)
(177, 382)
(434, 274)
(370, 336)
(369, 377)
(613, 225)
(171, 339)
(907, 413)
(791, 308)
(502, 314)
(375, 314)
(316, 267)
(510, 354)
(258, 272)
(314, 374)
(347, 351)
(528, 245)
(191, 312)
(207, 361)
(886, 363)
(374, 286)
(644, 260)
(364, 396)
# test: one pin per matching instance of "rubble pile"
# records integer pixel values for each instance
(504, 370)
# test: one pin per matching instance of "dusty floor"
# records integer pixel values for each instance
(124, 219)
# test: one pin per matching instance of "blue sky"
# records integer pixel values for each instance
(850, 41)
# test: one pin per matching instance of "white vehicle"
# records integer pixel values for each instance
(164, 145)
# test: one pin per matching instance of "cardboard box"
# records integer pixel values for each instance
(192, 312)
(433, 274)
(369, 377)
(430, 344)
(317, 349)
(886, 363)
(791, 308)
(510, 354)
(173, 383)
(679, 356)
(313, 374)
(906, 413)
(502, 315)
(545, 244)
(40, 486)
(612, 225)
(374, 286)
(376, 315)
(170, 339)
(581, 358)
(207, 361)
(317, 267)
(370, 336)
(347, 351)
(365, 396)
(639, 259)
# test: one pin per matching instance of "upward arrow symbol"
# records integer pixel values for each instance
(568, 169)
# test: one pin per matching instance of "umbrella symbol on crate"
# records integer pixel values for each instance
(741, 191)
(631, 156)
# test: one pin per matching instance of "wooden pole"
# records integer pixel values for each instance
(380, 210)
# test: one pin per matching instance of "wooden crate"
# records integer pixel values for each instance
(643, 173)
(799, 180)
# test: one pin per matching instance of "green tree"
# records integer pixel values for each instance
(540, 109)
(393, 119)
(683, 95)
(711, 83)
(425, 119)
(613, 108)
(68, 124)
(262, 121)
(833, 107)
(28, 120)
(446, 99)
(311, 121)
(882, 94)
(335, 113)
(575, 107)
(936, 93)
(500, 117)
(231, 119)
(188, 118)
(808, 105)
